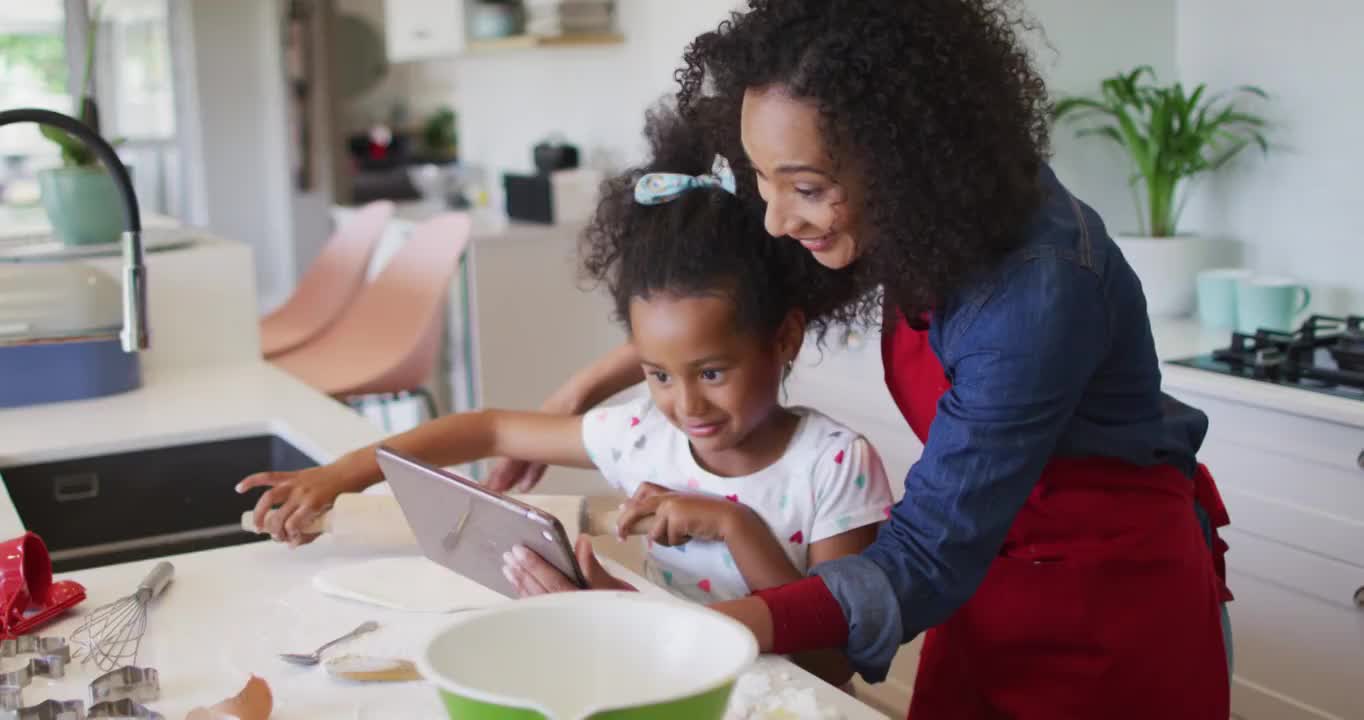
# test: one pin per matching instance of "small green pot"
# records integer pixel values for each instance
(82, 205)
(597, 655)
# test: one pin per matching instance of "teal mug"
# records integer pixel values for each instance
(1217, 296)
(1270, 303)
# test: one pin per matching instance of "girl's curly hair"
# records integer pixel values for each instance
(935, 103)
(706, 241)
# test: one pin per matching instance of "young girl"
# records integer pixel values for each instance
(747, 494)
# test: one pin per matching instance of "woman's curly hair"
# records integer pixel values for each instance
(935, 103)
(706, 241)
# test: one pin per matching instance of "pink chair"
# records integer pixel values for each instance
(330, 284)
(388, 340)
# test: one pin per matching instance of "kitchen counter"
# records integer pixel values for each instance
(231, 610)
(1182, 337)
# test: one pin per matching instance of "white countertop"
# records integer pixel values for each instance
(230, 610)
(1180, 338)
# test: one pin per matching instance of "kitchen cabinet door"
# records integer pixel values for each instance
(1295, 492)
(423, 29)
(1298, 632)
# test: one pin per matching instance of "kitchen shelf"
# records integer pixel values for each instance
(527, 42)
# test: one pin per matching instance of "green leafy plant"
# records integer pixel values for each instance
(74, 152)
(439, 132)
(1169, 135)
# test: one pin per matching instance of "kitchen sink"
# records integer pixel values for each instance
(140, 504)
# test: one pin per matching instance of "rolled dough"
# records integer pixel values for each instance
(406, 584)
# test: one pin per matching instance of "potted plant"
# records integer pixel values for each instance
(439, 134)
(80, 198)
(1170, 137)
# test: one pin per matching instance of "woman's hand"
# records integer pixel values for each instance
(681, 517)
(510, 475)
(610, 374)
(531, 575)
(302, 496)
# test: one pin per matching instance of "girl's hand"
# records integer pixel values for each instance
(531, 575)
(301, 495)
(682, 517)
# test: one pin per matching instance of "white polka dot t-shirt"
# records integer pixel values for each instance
(830, 480)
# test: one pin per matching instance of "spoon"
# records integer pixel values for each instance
(316, 656)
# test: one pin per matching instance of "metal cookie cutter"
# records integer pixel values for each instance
(124, 709)
(34, 645)
(141, 685)
(54, 654)
(50, 667)
(48, 710)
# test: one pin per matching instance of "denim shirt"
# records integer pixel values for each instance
(1049, 354)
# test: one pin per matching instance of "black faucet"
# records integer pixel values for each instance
(134, 335)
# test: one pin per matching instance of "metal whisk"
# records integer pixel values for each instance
(112, 634)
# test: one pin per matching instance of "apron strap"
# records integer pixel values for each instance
(1210, 501)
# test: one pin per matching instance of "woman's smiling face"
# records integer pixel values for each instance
(808, 198)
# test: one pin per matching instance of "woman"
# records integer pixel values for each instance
(1055, 540)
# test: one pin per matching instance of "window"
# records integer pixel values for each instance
(42, 58)
(136, 98)
(33, 73)
(135, 75)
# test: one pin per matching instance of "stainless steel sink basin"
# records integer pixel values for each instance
(114, 508)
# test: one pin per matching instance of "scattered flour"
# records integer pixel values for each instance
(760, 695)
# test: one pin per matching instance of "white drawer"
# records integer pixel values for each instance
(1325, 581)
(1312, 505)
(1293, 479)
(1298, 636)
(1319, 441)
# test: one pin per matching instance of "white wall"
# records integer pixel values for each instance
(242, 133)
(1082, 43)
(1297, 211)
(596, 97)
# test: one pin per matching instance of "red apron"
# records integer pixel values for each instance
(1104, 601)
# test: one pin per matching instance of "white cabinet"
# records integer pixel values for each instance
(1295, 491)
(423, 29)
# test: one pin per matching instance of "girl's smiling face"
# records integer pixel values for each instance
(808, 198)
(713, 380)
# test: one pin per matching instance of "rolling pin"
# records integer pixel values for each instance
(378, 520)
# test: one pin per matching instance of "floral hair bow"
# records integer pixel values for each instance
(659, 188)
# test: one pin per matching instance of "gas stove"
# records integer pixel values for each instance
(1325, 354)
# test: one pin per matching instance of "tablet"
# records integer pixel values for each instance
(466, 527)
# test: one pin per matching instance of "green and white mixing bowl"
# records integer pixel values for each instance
(599, 655)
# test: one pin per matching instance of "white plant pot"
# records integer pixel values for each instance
(1168, 268)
